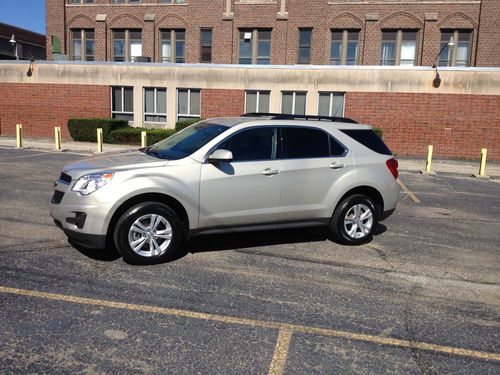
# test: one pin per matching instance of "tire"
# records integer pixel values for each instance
(148, 233)
(354, 220)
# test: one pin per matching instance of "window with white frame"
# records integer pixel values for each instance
(255, 46)
(344, 47)
(293, 102)
(122, 103)
(257, 101)
(188, 104)
(460, 54)
(331, 104)
(127, 44)
(155, 104)
(173, 45)
(399, 47)
(82, 45)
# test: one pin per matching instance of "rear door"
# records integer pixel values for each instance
(313, 160)
(247, 189)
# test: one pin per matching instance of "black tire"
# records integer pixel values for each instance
(346, 233)
(144, 211)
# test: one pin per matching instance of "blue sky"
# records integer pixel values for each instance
(27, 14)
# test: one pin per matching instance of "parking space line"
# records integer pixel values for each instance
(287, 329)
(408, 191)
(280, 352)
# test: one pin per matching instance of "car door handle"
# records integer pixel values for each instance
(336, 165)
(270, 172)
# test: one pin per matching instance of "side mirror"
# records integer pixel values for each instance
(220, 155)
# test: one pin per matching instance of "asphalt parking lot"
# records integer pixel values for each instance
(422, 298)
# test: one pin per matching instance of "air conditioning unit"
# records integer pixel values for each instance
(141, 59)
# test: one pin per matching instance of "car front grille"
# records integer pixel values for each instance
(57, 197)
(65, 178)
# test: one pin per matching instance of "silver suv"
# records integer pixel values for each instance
(225, 174)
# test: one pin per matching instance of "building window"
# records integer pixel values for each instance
(331, 104)
(122, 103)
(173, 46)
(82, 45)
(80, 1)
(257, 101)
(344, 48)
(399, 47)
(188, 104)
(127, 45)
(155, 104)
(460, 54)
(173, 1)
(293, 102)
(206, 46)
(255, 47)
(305, 36)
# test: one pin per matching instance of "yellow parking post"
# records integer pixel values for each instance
(144, 139)
(57, 136)
(429, 159)
(99, 140)
(19, 136)
(482, 167)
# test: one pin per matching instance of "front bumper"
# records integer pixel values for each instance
(89, 241)
(84, 219)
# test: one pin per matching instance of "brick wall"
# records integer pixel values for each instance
(41, 107)
(458, 126)
(427, 17)
(216, 102)
(488, 52)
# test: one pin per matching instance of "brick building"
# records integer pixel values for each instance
(278, 32)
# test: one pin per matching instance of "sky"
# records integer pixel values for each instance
(27, 14)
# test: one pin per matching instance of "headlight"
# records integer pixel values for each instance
(91, 182)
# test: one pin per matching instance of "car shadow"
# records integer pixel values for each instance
(109, 254)
(228, 241)
(241, 240)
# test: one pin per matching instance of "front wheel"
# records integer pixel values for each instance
(148, 233)
(354, 220)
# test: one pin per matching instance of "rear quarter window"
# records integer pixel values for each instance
(368, 138)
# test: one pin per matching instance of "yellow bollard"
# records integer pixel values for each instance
(144, 139)
(429, 159)
(99, 140)
(482, 167)
(19, 136)
(57, 136)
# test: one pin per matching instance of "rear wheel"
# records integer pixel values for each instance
(148, 233)
(354, 220)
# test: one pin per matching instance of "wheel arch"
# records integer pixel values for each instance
(173, 203)
(370, 192)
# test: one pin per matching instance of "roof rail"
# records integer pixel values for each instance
(284, 116)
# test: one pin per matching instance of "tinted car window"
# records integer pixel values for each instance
(252, 144)
(336, 149)
(305, 143)
(369, 139)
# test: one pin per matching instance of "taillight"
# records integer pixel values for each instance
(392, 164)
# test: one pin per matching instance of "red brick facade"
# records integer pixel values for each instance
(458, 126)
(216, 103)
(41, 107)
(370, 17)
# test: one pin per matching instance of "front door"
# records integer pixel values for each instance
(245, 190)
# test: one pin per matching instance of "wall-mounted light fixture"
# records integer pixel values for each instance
(437, 79)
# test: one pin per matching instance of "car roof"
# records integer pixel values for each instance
(289, 120)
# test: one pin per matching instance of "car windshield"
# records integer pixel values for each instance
(187, 141)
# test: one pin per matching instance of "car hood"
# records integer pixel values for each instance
(112, 163)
